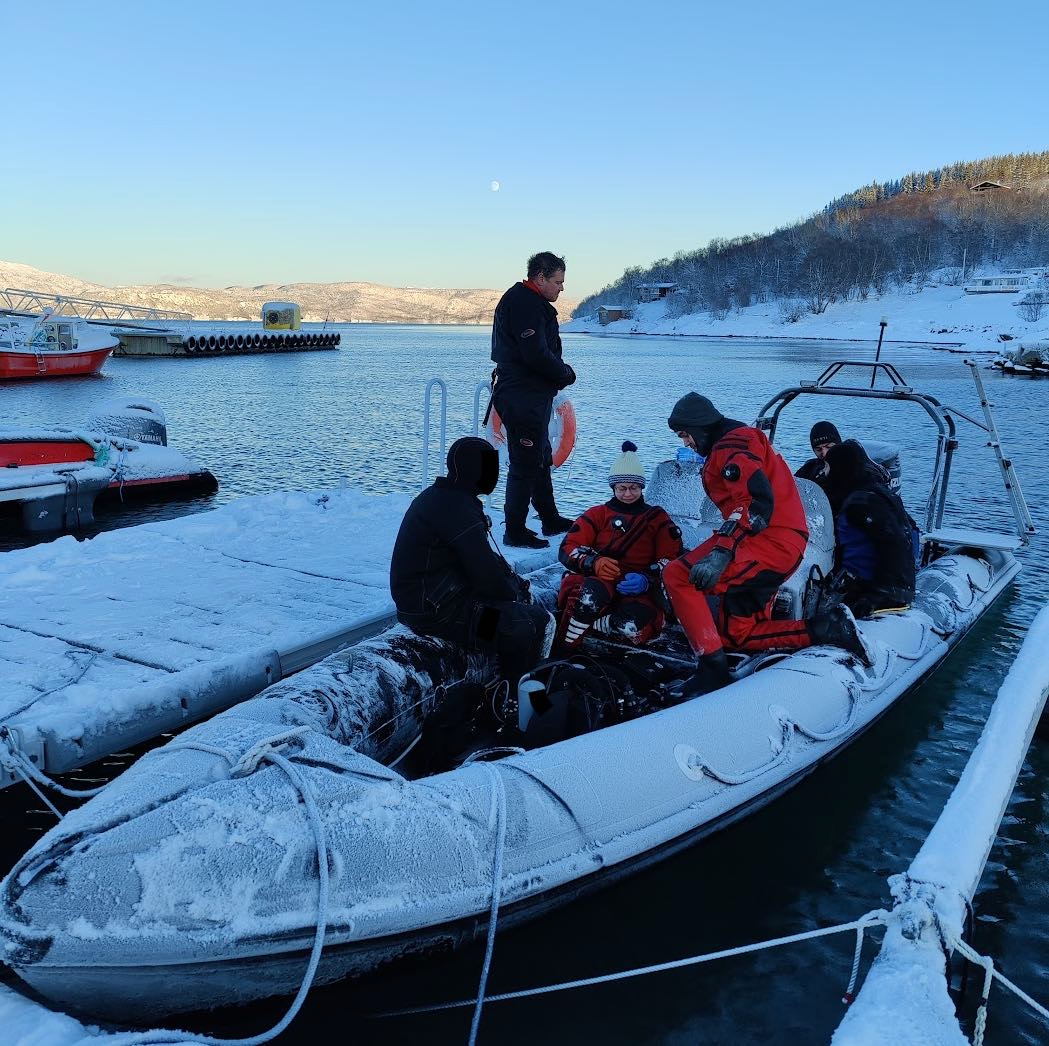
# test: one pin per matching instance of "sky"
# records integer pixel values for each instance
(235, 143)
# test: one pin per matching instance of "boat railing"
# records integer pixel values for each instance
(942, 417)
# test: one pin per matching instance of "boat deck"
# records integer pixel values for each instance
(107, 643)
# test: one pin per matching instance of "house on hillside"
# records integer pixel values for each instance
(1011, 283)
(988, 186)
(654, 291)
(607, 314)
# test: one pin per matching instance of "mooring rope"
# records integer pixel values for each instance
(878, 917)
(263, 751)
(15, 761)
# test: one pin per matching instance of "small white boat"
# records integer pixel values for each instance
(193, 881)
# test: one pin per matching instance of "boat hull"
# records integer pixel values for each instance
(49, 364)
(151, 898)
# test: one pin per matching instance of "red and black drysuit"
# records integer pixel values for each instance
(765, 535)
(641, 539)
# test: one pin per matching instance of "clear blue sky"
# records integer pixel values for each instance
(243, 143)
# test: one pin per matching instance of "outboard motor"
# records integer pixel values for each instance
(139, 419)
(888, 456)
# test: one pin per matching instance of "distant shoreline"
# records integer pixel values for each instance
(774, 337)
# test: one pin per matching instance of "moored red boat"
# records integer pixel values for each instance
(52, 349)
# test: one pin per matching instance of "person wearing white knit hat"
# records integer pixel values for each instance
(614, 554)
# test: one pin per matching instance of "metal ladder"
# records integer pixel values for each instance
(1024, 521)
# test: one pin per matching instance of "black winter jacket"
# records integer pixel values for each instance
(526, 345)
(442, 555)
(872, 523)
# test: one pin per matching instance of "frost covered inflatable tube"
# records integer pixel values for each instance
(184, 885)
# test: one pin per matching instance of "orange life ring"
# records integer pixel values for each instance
(562, 430)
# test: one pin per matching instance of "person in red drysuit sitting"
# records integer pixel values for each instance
(741, 566)
(613, 554)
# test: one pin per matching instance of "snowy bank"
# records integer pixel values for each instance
(936, 313)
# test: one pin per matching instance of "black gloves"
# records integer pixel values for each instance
(705, 573)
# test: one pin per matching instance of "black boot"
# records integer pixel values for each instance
(557, 525)
(711, 674)
(837, 627)
(522, 537)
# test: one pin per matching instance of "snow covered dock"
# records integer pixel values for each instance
(110, 642)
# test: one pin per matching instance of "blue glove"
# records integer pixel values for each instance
(633, 585)
(705, 573)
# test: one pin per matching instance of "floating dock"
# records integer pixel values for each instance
(107, 643)
(173, 342)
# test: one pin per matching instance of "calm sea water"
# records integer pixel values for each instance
(818, 856)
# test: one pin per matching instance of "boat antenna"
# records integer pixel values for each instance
(882, 324)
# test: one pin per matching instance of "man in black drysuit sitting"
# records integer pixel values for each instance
(448, 581)
(874, 565)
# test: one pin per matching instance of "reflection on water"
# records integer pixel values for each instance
(818, 856)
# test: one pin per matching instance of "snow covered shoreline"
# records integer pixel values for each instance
(938, 315)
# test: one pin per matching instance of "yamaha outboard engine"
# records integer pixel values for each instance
(888, 456)
(139, 419)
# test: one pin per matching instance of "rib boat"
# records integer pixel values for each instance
(209, 871)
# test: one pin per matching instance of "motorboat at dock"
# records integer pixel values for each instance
(193, 879)
(52, 347)
(51, 479)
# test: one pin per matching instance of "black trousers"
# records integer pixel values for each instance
(514, 632)
(528, 479)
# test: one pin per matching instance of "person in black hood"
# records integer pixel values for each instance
(874, 565)
(529, 371)
(822, 436)
(446, 578)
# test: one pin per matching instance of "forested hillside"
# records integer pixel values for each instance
(866, 242)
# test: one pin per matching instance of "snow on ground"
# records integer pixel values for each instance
(26, 1023)
(110, 630)
(937, 313)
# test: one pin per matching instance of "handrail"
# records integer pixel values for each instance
(19, 299)
(442, 385)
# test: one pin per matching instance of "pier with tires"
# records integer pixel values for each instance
(221, 342)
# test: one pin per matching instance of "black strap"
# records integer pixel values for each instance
(631, 536)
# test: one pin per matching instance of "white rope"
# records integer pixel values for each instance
(873, 918)
(15, 761)
(850, 991)
(499, 799)
(418, 737)
(990, 973)
(264, 750)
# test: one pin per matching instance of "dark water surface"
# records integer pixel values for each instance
(818, 856)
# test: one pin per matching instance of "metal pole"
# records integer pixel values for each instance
(882, 324)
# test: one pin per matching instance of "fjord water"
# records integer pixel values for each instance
(819, 855)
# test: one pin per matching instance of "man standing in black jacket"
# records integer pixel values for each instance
(448, 581)
(526, 349)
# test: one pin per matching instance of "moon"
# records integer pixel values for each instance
(494, 185)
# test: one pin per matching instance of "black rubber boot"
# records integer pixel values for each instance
(837, 627)
(711, 674)
(523, 538)
(557, 525)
